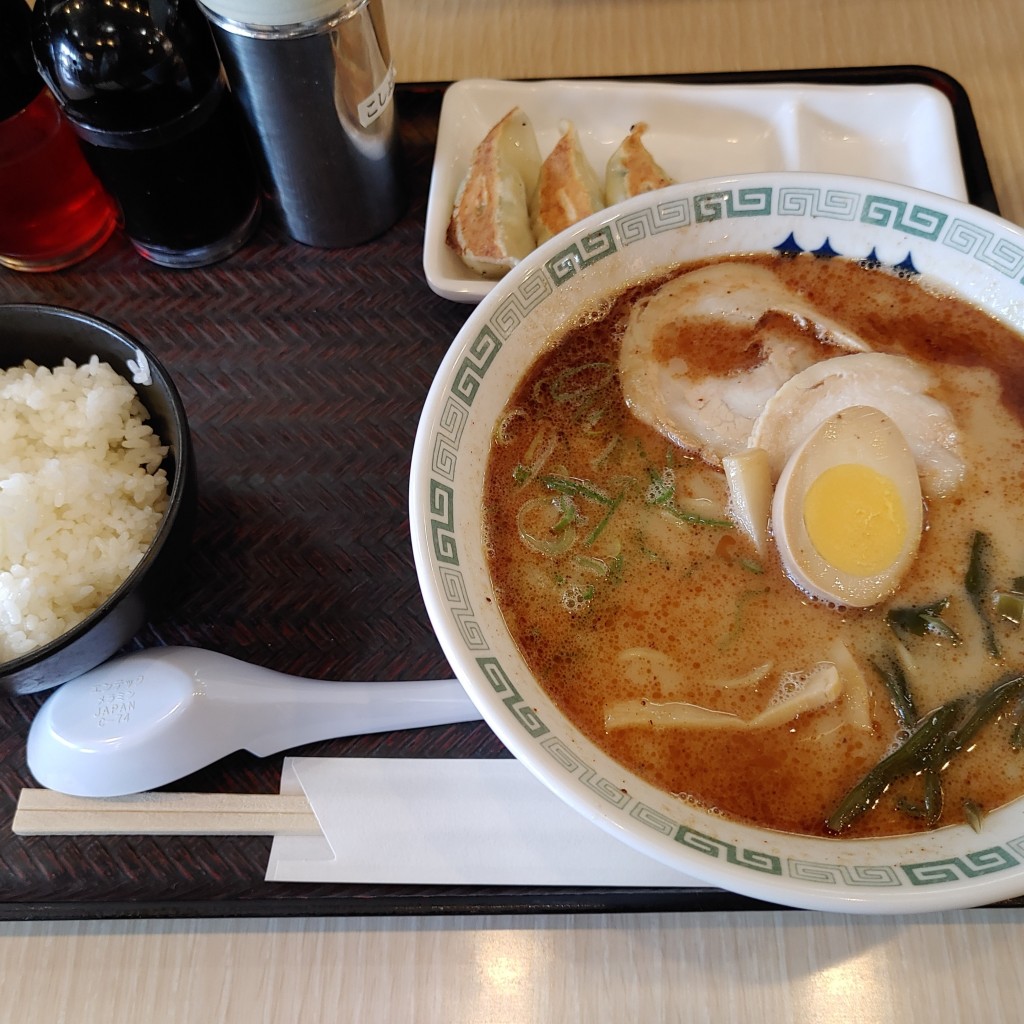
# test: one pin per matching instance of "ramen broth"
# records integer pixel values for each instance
(625, 584)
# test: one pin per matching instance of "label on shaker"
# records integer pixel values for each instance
(377, 102)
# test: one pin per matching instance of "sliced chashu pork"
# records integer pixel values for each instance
(706, 414)
(892, 384)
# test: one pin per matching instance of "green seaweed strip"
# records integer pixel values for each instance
(1017, 738)
(922, 620)
(937, 739)
(912, 756)
(930, 808)
(977, 582)
(987, 707)
(892, 675)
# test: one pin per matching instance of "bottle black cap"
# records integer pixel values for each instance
(124, 66)
(19, 80)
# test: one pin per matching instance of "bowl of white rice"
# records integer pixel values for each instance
(97, 492)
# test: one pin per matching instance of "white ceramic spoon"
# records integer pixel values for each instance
(151, 717)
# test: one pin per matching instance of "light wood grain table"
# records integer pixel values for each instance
(768, 967)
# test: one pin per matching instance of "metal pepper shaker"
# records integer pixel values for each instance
(316, 81)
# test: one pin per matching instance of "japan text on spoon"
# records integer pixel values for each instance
(148, 718)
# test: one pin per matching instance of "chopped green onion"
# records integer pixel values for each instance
(577, 599)
(662, 488)
(572, 384)
(535, 534)
(501, 430)
(537, 453)
(577, 488)
(569, 514)
(585, 489)
(738, 616)
(686, 516)
(608, 449)
(599, 529)
(592, 565)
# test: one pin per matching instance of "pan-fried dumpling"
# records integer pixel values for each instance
(490, 223)
(567, 190)
(632, 170)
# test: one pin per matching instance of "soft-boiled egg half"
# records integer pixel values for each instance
(847, 510)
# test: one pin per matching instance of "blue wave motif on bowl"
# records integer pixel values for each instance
(791, 247)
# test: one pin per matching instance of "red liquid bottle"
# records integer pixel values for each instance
(53, 210)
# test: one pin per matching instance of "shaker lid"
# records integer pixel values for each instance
(277, 13)
(124, 66)
(19, 80)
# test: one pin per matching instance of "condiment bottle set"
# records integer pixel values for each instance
(300, 112)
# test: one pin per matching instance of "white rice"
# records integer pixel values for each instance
(81, 496)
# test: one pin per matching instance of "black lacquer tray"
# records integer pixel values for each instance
(303, 372)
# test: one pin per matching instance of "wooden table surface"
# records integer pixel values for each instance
(768, 966)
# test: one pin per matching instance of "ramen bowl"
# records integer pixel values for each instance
(955, 246)
(47, 335)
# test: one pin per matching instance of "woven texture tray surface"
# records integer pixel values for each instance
(303, 372)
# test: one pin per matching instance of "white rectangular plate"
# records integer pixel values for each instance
(904, 133)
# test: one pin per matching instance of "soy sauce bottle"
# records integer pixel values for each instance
(141, 83)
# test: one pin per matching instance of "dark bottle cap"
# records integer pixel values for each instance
(19, 80)
(127, 65)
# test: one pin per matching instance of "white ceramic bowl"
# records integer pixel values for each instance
(956, 245)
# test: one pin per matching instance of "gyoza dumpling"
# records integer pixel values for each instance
(567, 190)
(632, 170)
(490, 223)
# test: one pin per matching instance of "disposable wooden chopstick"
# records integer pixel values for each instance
(44, 812)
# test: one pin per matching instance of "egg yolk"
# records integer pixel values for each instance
(855, 519)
